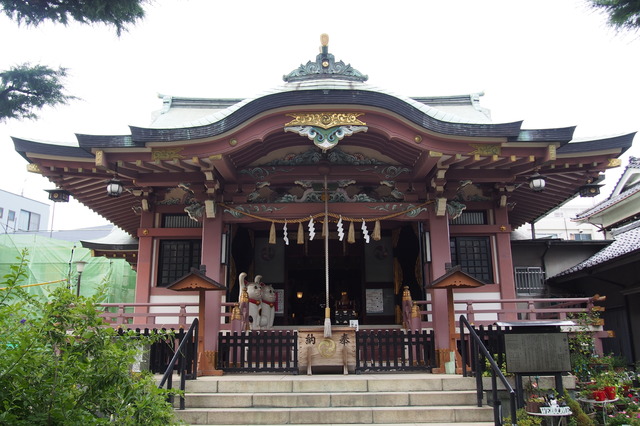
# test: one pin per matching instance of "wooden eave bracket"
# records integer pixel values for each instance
(441, 206)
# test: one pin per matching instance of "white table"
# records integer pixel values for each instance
(552, 417)
(604, 403)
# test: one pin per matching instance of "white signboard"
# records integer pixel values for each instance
(375, 301)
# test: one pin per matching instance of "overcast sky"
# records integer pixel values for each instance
(550, 63)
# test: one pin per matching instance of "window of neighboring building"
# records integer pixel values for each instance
(473, 254)
(29, 221)
(529, 279)
(177, 257)
(581, 237)
(11, 216)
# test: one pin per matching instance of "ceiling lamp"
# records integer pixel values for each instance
(537, 182)
(114, 188)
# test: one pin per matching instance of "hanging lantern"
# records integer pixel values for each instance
(114, 188)
(589, 190)
(537, 182)
(58, 195)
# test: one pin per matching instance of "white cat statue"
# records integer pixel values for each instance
(268, 311)
(255, 299)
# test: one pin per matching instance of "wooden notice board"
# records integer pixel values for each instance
(327, 351)
(537, 352)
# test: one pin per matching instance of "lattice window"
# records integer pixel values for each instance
(473, 254)
(177, 257)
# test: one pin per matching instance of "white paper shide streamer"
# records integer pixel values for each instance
(285, 234)
(312, 230)
(365, 232)
(340, 229)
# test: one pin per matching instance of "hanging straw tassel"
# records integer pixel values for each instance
(327, 322)
(376, 231)
(351, 236)
(272, 233)
(300, 234)
(324, 228)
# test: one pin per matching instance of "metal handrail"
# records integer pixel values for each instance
(168, 374)
(479, 347)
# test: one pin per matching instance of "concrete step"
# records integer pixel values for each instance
(329, 383)
(346, 415)
(386, 424)
(381, 399)
(333, 399)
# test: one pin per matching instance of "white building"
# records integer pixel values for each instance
(18, 213)
(561, 224)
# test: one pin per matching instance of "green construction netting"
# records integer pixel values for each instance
(52, 260)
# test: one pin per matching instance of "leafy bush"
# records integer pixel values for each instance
(60, 365)
(523, 419)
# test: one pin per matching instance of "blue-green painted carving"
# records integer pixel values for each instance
(325, 139)
(412, 211)
(388, 172)
(259, 173)
(238, 210)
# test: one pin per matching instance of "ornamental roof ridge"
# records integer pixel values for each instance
(322, 84)
(325, 66)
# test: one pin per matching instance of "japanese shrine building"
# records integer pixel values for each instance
(233, 184)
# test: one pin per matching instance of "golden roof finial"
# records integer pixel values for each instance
(324, 39)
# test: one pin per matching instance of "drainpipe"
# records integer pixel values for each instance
(533, 230)
(543, 259)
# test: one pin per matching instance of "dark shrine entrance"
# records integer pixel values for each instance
(306, 282)
(363, 282)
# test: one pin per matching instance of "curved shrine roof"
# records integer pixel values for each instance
(227, 146)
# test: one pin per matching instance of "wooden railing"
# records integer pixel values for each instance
(157, 315)
(488, 311)
(477, 311)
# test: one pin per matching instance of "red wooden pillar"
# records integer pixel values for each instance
(505, 260)
(440, 257)
(211, 241)
(144, 270)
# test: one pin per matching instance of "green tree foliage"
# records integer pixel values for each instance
(60, 365)
(118, 13)
(26, 88)
(623, 14)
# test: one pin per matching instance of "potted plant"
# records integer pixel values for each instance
(534, 402)
(608, 382)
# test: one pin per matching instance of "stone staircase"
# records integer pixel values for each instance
(380, 399)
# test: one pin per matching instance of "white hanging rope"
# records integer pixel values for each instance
(327, 309)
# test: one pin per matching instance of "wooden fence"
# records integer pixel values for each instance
(258, 351)
(394, 350)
